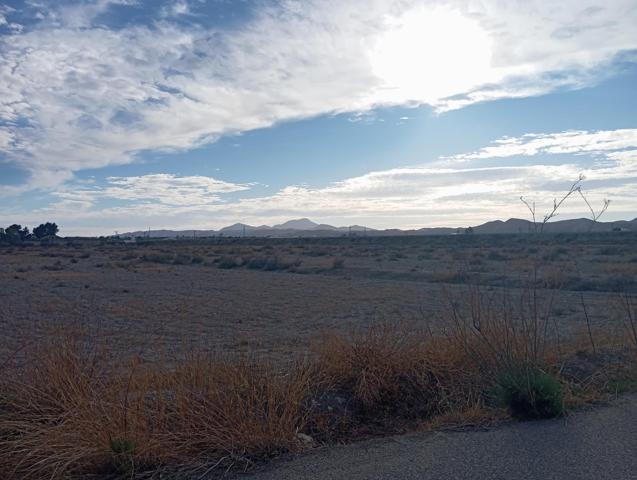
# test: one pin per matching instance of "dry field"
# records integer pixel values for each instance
(186, 359)
(273, 296)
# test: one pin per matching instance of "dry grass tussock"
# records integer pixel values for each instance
(71, 412)
(68, 410)
(390, 375)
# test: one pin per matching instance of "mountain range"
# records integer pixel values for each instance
(304, 227)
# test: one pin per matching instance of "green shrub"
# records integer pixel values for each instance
(123, 454)
(529, 393)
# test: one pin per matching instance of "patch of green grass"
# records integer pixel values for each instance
(529, 393)
(123, 454)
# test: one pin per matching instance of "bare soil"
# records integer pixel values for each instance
(273, 296)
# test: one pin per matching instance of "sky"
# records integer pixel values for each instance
(120, 115)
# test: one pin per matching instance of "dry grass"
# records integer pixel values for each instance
(70, 413)
(390, 371)
(69, 410)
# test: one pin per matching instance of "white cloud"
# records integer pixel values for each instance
(175, 9)
(170, 189)
(157, 189)
(76, 95)
(448, 195)
(6, 139)
(83, 14)
(423, 192)
(609, 143)
(4, 10)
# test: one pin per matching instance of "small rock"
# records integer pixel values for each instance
(304, 438)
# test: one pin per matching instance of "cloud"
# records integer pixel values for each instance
(158, 189)
(609, 143)
(448, 194)
(82, 14)
(170, 189)
(422, 192)
(75, 94)
(6, 139)
(180, 7)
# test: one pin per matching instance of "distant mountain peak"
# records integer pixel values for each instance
(236, 226)
(304, 227)
(298, 224)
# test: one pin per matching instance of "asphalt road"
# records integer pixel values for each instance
(595, 444)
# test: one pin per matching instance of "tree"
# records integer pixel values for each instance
(45, 230)
(13, 229)
(16, 234)
(16, 231)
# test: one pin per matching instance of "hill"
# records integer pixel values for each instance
(304, 227)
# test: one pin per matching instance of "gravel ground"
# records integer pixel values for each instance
(596, 444)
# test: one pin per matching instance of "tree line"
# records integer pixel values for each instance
(17, 233)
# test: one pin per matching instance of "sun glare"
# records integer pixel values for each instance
(426, 55)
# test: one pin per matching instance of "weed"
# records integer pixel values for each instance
(123, 450)
(529, 393)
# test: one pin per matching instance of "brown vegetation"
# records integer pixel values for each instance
(68, 409)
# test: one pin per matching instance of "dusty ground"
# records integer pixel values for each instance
(273, 295)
